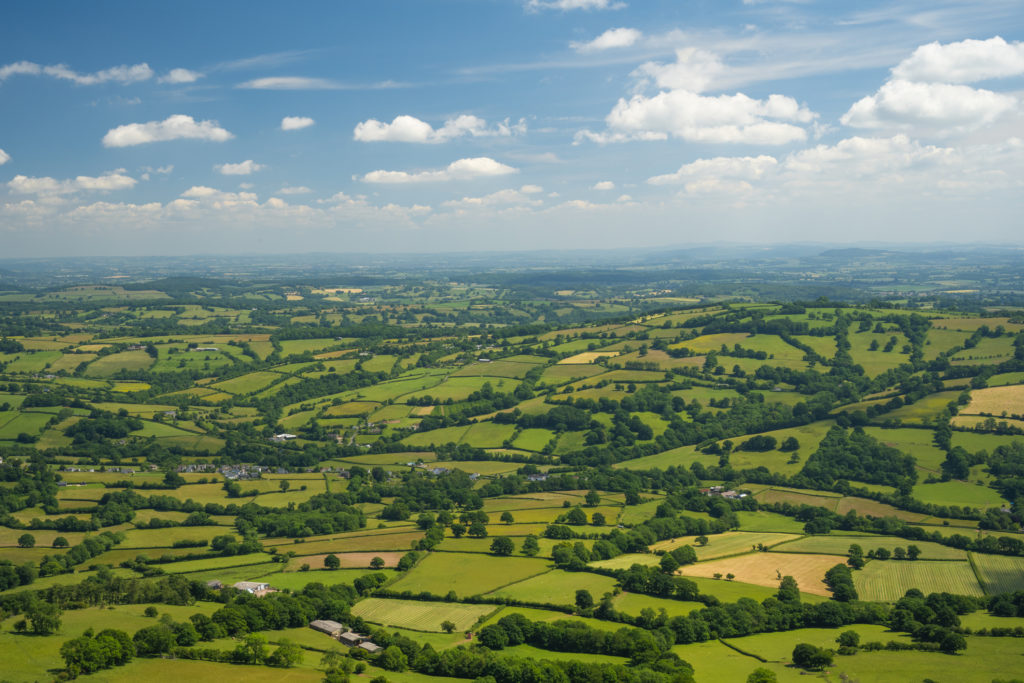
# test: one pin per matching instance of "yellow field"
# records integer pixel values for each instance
(763, 569)
(587, 357)
(997, 401)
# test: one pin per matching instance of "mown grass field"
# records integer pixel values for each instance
(888, 581)
(729, 543)
(999, 573)
(467, 574)
(839, 545)
(420, 615)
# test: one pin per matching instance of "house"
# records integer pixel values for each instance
(331, 628)
(254, 588)
(283, 437)
(350, 638)
(372, 648)
(214, 584)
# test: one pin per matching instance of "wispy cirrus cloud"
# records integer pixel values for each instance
(124, 74)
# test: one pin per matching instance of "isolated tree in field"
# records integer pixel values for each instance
(43, 618)
(952, 643)
(507, 517)
(669, 564)
(762, 675)
(685, 554)
(790, 444)
(502, 545)
(848, 639)
(807, 656)
(597, 519)
(702, 540)
(150, 611)
(448, 626)
(856, 556)
(593, 498)
(789, 591)
(284, 485)
(730, 576)
(60, 542)
(26, 541)
(377, 563)
(718, 575)
(576, 517)
(584, 600)
(332, 561)
(530, 546)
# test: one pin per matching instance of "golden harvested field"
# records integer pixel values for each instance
(763, 569)
(996, 401)
(587, 357)
(729, 543)
(348, 560)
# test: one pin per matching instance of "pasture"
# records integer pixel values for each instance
(420, 615)
(889, 580)
(467, 574)
(556, 587)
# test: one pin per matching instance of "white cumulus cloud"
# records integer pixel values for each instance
(610, 39)
(689, 116)
(693, 70)
(861, 157)
(176, 127)
(296, 122)
(181, 76)
(963, 62)
(46, 186)
(4, 157)
(510, 197)
(462, 169)
(604, 185)
(746, 168)
(411, 129)
(943, 107)
(246, 167)
(295, 189)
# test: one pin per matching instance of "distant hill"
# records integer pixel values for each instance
(855, 252)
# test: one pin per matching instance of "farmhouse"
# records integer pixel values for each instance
(254, 587)
(370, 647)
(331, 628)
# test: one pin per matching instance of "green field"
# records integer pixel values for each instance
(839, 545)
(999, 573)
(888, 581)
(958, 493)
(420, 615)
(467, 574)
(556, 587)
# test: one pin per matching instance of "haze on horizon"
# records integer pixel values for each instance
(455, 125)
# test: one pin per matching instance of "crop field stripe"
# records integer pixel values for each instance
(977, 574)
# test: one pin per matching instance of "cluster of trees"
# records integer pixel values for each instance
(844, 454)
(92, 652)
(325, 513)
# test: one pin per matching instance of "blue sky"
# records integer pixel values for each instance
(132, 128)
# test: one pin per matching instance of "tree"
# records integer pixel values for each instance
(848, 639)
(43, 618)
(669, 564)
(790, 444)
(592, 498)
(882, 554)
(576, 517)
(598, 519)
(448, 626)
(952, 643)
(856, 556)
(685, 554)
(507, 517)
(458, 530)
(913, 552)
(584, 600)
(287, 654)
(150, 611)
(333, 659)
(789, 591)
(530, 546)
(284, 485)
(702, 540)
(26, 541)
(332, 561)
(730, 576)
(377, 563)
(899, 553)
(762, 675)
(502, 545)
(478, 530)
(807, 656)
(60, 542)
